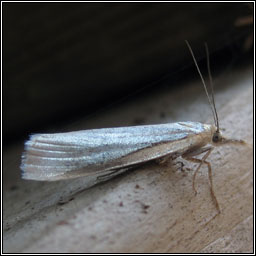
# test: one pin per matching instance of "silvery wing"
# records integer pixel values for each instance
(91, 152)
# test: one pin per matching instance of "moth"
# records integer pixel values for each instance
(110, 151)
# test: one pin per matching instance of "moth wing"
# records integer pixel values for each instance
(93, 152)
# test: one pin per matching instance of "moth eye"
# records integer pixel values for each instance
(216, 137)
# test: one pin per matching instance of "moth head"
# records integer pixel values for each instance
(218, 139)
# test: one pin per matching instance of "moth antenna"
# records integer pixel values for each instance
(202, 79)
(211, 84)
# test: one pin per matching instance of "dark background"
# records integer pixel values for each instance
(63, 61)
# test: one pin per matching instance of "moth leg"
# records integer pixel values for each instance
(188, 156)
(181, 167)
(171, 160)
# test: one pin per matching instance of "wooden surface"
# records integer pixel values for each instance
(151, 209)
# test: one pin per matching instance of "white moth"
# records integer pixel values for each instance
(108, 151)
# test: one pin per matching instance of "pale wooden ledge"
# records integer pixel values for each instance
(151, 209)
